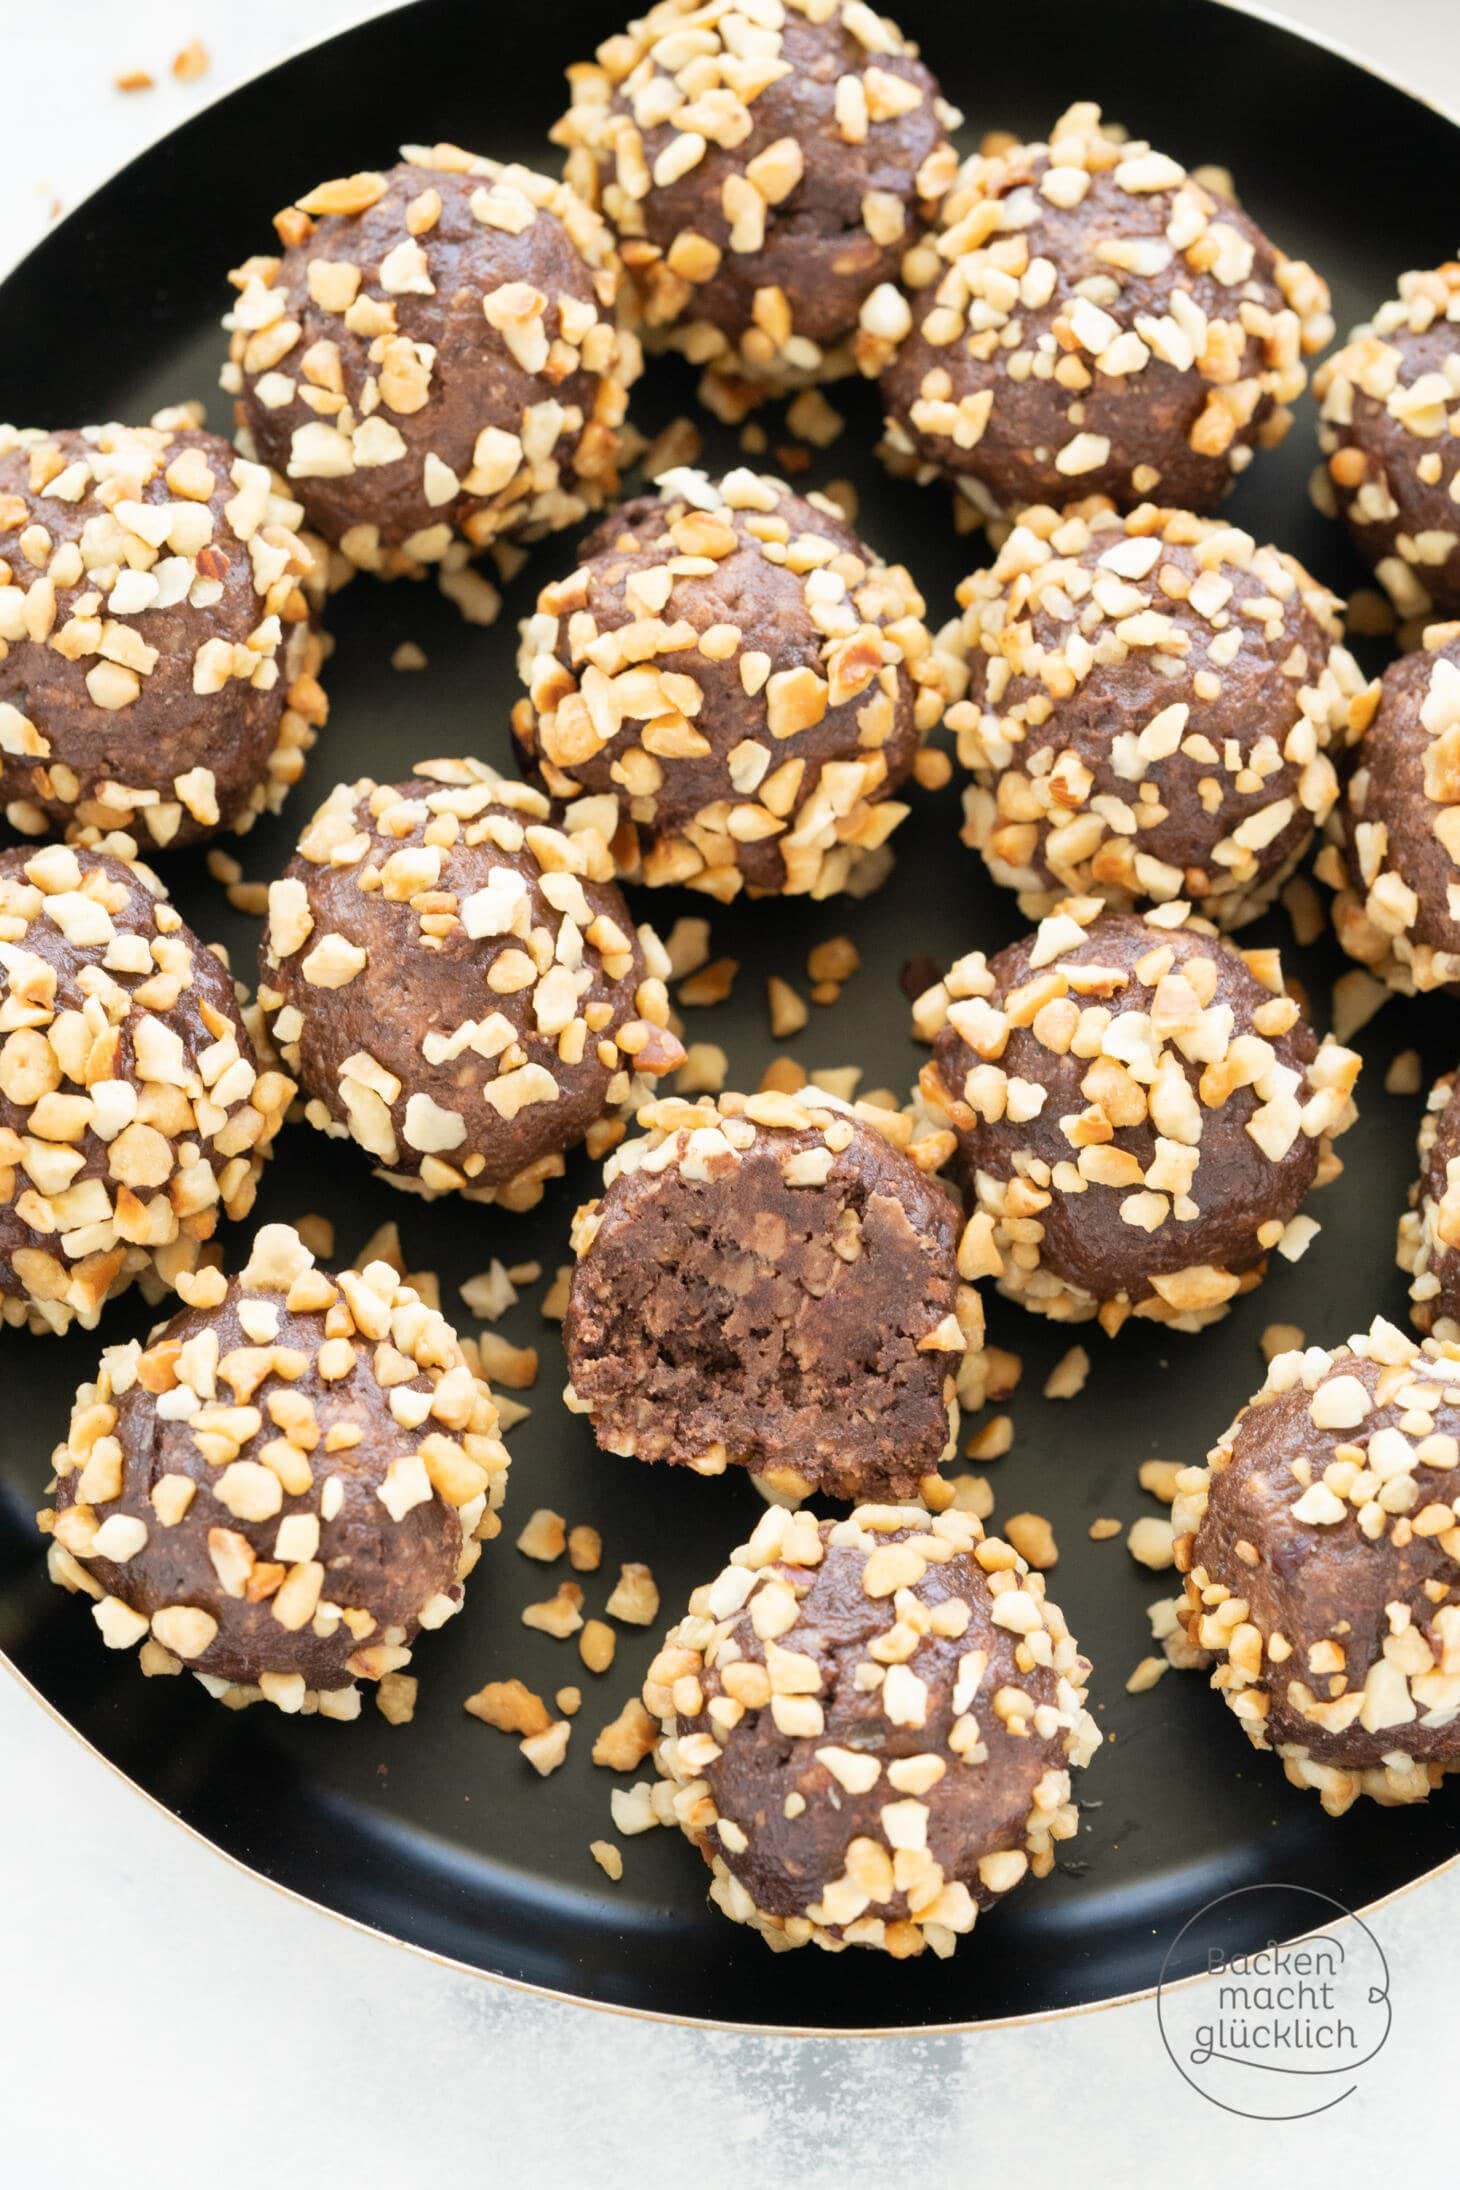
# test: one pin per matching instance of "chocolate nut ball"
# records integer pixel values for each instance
(1089, 318)
(158, 667)
(283, 1486)
(434, 362)
(738, 684)
(764, 173)
(134, 1111)
(869, 1727)
(458, 983)
(1321, 1552)
(1394, 851)
(772, 1280)
(1389, 403)
(1140, 1111)
(1155, 707)
(1429, 1230)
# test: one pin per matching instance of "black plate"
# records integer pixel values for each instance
(439, 1833)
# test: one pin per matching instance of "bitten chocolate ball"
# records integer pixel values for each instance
(1321, 1550)
(764, 172)
(1140, 1110)
(1394, 850)
(1389, 410)
(435, 360)
(158, 668)
(283, 1486)
(1155, 705)
(772, 1280)
(743, 678)
(869, 1728)
(133, 1110)
(458, 984)
(1429, 1230)
(1090, 319)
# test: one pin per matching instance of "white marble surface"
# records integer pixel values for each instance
(167, 2016)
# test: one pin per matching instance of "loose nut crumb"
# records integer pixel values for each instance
(972, 1494)
(502, 1363)
(1002, 1372)
(711, 985)
(783, 1076)
(812, 418)
(1356, 997)
(585, 1549)
(626, 1741)
(788, 1013)
(1149, 1543)
(1281, 1338)
(544, 1536)
(1146, 1675)
(408, 656)
(1369, 614)
(678, 443)
(383, 1245)
(1066, 1380)
(190, 62)
(395, 1698)
(1159, 1478)
(476, 599)
(1405, 1075)
(839, 1080)
(569, 1701)
(555, 1299)
(546, 1751)
(490, 1293)
(608, 1858)
(1304, 907)
(632, 1809)
(558, 1615)
(596, 1645)
(318, 1235)
(635, 1596)
(687, 946)
(133, 79)
(837, 959)
(1033, 1539)
(1103, 1529)
(511, 1707)
(704, 1071)
(992, 1441)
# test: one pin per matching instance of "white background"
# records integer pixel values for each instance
(166, 2021)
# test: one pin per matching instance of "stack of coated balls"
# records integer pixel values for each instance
(868, 1722)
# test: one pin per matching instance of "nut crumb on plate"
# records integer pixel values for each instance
(511, 1707)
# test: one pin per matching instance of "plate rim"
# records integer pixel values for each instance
(1254, 10)
(1258, 11)
(556, 1993)
(1340, 48)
